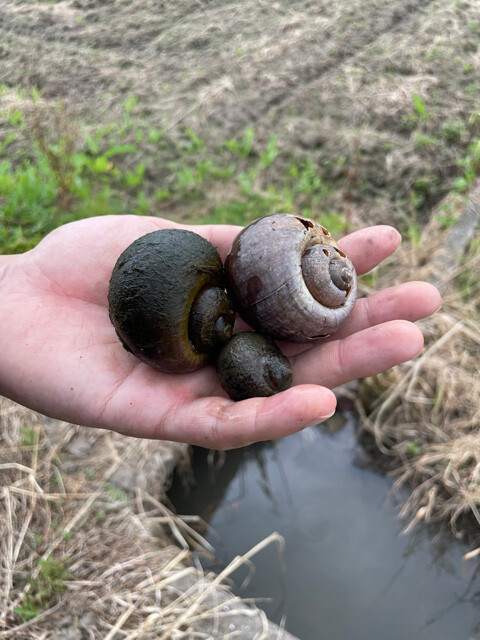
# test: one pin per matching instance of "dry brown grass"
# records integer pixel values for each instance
(424, 416)
(123, 559)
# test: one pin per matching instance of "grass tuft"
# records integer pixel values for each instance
(424, 417)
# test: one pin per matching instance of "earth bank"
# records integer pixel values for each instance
(382, 98)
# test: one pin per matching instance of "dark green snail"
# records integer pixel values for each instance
(250, 364)
(167, 300)
(169, 307)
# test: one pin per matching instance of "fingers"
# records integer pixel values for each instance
(218, 423)
(409, 301)
(367, 247)
(221, 236)
(362, 354)
(149, 404)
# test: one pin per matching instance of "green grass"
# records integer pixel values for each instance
(29, 436)
(55, 173)
(54, 179)
(50, 581)
(470, 165)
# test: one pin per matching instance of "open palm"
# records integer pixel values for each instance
(61, 356)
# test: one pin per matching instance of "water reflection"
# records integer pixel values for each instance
(349, 573)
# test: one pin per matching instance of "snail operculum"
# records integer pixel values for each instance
(289, 278)
(167, 300)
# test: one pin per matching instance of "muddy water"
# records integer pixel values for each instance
(349, 574)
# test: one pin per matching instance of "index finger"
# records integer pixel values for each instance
(221, 235)
(368, 247)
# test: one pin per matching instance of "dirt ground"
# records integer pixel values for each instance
(382, 96)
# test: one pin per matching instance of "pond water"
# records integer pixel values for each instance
(347, 572)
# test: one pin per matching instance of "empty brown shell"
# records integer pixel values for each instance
(289, 279)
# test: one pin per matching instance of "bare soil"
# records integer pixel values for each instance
(334, 81)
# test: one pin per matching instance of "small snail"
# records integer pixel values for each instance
(167, 300)
(250, 364)
(289, 279)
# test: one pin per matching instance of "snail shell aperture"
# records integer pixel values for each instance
(167, 300)
(289, 279)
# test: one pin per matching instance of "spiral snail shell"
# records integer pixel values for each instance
(289, 279)
(167, 300)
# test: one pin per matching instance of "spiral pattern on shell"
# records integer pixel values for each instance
(289, 279)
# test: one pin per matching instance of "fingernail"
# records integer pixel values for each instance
(320, 419)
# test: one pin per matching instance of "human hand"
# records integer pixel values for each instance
(61, 355)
